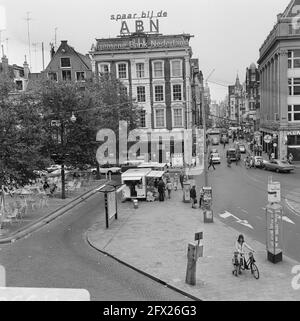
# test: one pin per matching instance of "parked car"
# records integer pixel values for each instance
(242, 149)
(279, 166)
(216, 158)
(107, 169)
(53, 168)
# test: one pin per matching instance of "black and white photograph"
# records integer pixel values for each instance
(149, 153)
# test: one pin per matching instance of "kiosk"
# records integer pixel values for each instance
(274, 232)
(207, 205)
(135, 183)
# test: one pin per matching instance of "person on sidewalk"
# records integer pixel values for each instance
(175, 181)
(193, 196)
(169, 188)
(290, 158)
(211, 163)
(240, 246)
(201, 197)
(181, 178)
(161, 190)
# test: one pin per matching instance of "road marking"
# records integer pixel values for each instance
(244, 211)
(260, 218)
(291, 208)
(238, 220)
(225, 215)
(286, 219)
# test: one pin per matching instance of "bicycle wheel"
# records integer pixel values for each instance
(254, 271)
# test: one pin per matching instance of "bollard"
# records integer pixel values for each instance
(194, 252)
(135, 204)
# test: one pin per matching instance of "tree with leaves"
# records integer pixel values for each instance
(21, 135)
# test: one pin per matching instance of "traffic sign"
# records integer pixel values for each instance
(268, 139)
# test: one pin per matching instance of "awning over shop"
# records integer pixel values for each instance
(129, 178)
(156, 174)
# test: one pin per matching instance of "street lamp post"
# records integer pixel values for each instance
(62, 155)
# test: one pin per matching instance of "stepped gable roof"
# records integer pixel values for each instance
(66, 48)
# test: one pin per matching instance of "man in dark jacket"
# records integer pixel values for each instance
(161, 190)
(193, 196)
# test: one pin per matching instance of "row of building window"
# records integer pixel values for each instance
(160, 117)
(158, 93)
(294, 86)
(294, 59)
(293, 113)
(66, 75)
(158, 69)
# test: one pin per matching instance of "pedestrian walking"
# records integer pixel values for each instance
(169, 188)
(224, 144)
(167, 176)
(272, 156)
(161, 190)
(201, 197)
(193, 195)
(181, 178)
(290, 158)
(211, 163)
(175, 185)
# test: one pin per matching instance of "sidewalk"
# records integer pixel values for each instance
(154, 239)
(54, 205)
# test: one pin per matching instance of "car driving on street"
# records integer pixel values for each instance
(242, 149)
(216, 158)
(279, 166)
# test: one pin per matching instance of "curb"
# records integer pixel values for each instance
(142, 272)
(48, 218)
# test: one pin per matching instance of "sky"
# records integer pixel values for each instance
(227, 33)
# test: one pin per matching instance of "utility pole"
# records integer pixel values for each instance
(28, 35)
(43, 56)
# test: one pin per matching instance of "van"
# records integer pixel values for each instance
(232, 154)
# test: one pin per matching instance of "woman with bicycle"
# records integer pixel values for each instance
(240, 246)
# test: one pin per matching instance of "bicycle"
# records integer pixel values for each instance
(239, 264)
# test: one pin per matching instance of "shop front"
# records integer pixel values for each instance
(293, 144)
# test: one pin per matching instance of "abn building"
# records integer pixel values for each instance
(156, 70)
